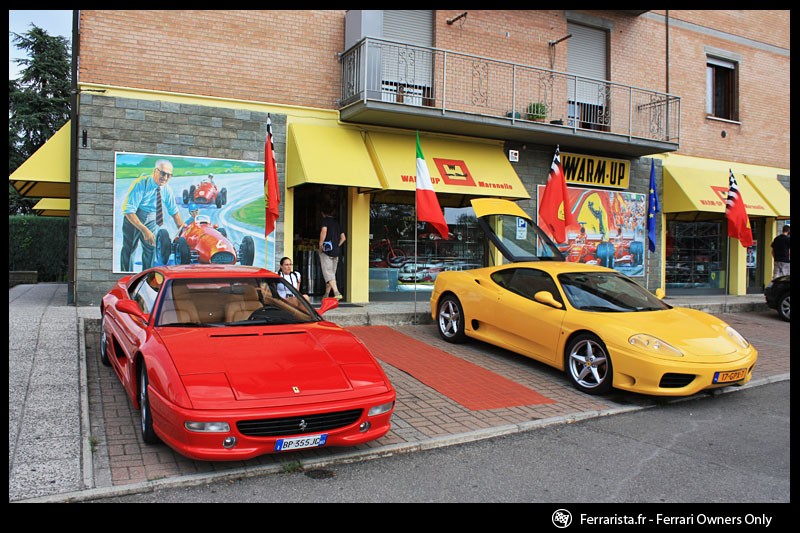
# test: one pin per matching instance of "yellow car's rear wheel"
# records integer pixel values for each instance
(588, 364)
(450, 319)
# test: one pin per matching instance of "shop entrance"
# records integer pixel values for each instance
(309, 200)
(755, 258)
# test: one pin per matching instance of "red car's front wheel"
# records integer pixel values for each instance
(146, 417)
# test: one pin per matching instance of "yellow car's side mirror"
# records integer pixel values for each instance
(546, 298)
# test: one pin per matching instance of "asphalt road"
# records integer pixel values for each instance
(731, 447)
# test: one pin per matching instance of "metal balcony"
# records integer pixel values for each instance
(400, 85)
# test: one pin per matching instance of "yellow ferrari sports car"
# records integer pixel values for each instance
(599, 326)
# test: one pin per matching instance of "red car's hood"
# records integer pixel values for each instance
(265, 363)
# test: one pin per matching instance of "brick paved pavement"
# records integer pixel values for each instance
(421, 413)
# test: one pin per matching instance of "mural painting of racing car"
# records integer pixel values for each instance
(203, 242)
(206, 193)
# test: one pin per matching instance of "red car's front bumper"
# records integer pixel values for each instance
(169, 419)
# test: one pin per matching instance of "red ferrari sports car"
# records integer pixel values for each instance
(230, 362)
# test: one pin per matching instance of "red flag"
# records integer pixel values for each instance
(555, 213)
(428, 208)
(738, 223)
(271, 192)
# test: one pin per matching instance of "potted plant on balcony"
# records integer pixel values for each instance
(537, 111)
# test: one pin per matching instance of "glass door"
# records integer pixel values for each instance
(755, 258)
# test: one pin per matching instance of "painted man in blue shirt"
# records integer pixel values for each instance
(144, 209)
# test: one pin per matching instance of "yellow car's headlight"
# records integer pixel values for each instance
(654, 345)
(737, 337)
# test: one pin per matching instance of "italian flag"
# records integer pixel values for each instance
(428, 209)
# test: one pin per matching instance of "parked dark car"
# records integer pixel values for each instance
(777, 294)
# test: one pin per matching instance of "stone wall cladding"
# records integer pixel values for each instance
(154, 127)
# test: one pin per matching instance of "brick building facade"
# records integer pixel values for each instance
(201, 83)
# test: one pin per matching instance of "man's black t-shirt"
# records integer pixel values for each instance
(332, 235)
(780, 248)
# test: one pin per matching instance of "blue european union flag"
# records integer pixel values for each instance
(652, 208)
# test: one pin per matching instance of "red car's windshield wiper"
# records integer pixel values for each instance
(192, 325)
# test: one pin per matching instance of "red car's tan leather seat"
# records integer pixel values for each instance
(242, 309)
(182, 308)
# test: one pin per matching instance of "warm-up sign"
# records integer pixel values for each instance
(596, 171)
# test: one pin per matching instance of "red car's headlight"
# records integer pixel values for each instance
(380, 409)
(207, 427)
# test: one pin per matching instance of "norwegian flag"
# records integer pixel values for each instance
(738, 222)
(271, 191)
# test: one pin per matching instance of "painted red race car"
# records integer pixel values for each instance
(206, 193)
(230, 362)
(201, 241)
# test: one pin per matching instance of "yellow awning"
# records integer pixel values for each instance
(328, 155)
(46, 172)
(693, 189)
(773, 192)
(52, 207)
(455, 166)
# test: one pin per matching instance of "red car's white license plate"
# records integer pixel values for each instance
(730, 376)
(296, 443)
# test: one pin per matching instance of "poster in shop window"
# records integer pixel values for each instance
(612, 229)
(219, 204)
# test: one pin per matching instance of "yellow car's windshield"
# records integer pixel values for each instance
(608, 292)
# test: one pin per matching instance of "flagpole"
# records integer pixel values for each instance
(727, 277)
(415, 258)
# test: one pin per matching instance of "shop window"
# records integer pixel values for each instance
(397, 267)
(695, 256)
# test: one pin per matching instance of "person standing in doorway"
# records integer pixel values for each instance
(780, 253)
(331, 238)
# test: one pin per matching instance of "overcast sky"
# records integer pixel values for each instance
(19, 21)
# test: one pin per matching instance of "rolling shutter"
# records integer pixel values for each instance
(407, 71)
(587, 55)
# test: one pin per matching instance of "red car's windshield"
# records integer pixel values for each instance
(219, 302)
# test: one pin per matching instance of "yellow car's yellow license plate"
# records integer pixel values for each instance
(730, 376)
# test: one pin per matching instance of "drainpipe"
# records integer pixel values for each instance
(73, 160)
(667, 19)
(667, 67)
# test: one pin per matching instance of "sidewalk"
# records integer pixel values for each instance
(72, 432)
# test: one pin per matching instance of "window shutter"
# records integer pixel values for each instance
(587, 55)
(409, 67)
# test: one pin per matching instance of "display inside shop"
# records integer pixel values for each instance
(396, 265)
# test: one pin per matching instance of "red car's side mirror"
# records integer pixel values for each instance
(130, 307)
(328, 304)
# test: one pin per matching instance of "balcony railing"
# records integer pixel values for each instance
(387, 71)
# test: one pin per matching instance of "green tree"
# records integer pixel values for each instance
(38, 102)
